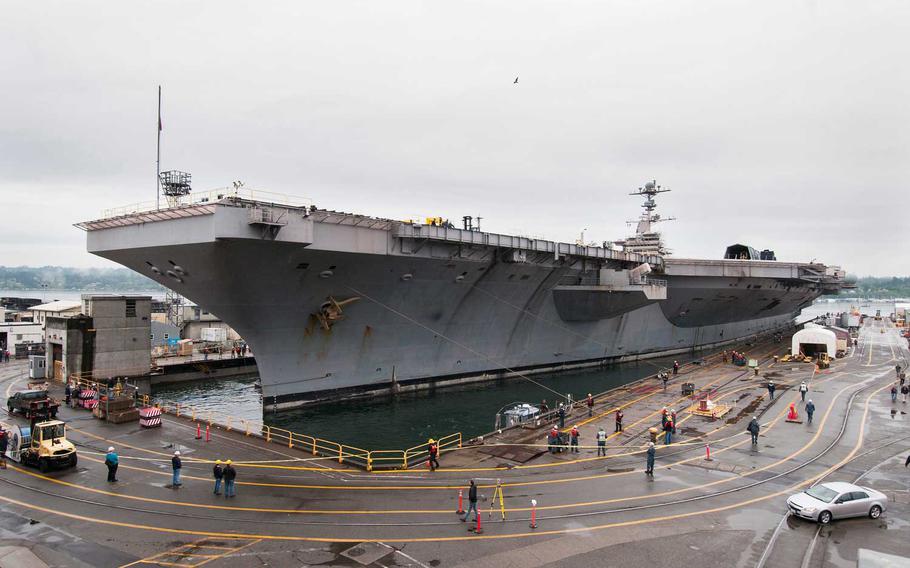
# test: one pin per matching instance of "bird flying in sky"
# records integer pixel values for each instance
(515, 82)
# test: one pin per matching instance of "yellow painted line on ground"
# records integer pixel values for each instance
(540, 533)
(447, 511)
(169, 455)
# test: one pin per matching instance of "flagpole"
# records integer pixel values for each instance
(158, 161)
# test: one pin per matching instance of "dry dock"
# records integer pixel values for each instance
(293, 509)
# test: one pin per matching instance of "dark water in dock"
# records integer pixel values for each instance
(404, 420)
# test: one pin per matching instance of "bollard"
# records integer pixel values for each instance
(198, 431)
(533, 524)
(460, 510)
(208, 435)
(708, 453)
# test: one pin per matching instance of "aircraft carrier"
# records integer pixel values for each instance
(337, 305)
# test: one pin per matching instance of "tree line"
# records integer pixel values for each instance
(881, 287)
(68, 278)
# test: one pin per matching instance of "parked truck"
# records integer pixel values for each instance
(33, 404)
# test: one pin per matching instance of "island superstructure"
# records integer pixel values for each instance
(339, 304)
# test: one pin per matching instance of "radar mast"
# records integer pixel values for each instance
(646, 240)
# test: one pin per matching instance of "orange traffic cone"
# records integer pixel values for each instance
(198, 431)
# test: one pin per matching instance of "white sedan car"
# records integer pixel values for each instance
(837, 500)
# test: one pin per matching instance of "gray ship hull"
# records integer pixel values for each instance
(424, 312)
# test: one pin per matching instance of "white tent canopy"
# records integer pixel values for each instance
(814, 335)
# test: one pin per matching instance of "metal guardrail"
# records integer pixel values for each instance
(211, 196)
(648, 281)
(344, 453)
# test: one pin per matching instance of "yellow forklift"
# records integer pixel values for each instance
(43, 445)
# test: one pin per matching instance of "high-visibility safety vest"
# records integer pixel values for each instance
(601, 436)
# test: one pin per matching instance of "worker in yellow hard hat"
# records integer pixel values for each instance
(218, 473)
(229, 475)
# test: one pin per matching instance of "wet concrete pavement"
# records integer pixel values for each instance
(293, 510)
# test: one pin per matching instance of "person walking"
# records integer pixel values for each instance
(649, 469)
(77, 395)
(664, 377)
(573, 439)
(67, 394)
(675, 368)
(433, 452)
(472, 503)
(112, 461)
(218, 474)
(230, 474)
(562, 416)
(673, 419)
(905, 390)
(176, 465)
(771, 388)
(668, 432)
(590, 402)
(894, 393)
(754, 428)
(803, 389)
(4, 442)
(810, 410)
(619, 417)
(601, 442)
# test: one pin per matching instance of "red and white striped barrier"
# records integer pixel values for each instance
(150, 422)
(150, 417)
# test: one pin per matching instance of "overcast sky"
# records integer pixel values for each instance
(782, 125)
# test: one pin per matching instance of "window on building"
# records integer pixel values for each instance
(131, 308)
(152, 336)
(167, 335)
(18, 337)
